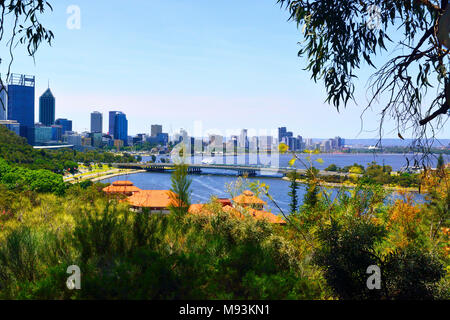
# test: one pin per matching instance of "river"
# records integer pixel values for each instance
(206, 185)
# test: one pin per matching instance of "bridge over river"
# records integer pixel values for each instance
(241, 170)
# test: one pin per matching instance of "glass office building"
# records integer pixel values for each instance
(42, 135)
(3, 105)
(112, 118)
(47, 108)
(96, 122)
(121, 127)
(118, 126)
(21, 103)
(56, 133)
(65, 123)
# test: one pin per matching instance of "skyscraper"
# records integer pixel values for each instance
(243, 140)
(96, 122)
(156, 129)
(21, 103)
(112, 117)
(66, 124)
(3, 105)
(47, 108)
(281, 133)
(119, 127)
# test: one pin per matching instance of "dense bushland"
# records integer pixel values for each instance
(16, 151)
(128, 255)
(323, 252)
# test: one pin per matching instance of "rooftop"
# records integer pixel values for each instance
(155, 199)
(122, 187)
(248, 198)
(47, 94)
(268, 216)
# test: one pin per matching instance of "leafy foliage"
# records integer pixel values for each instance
(180, 190)
(15, 150)
(338, 37)
(19, 178)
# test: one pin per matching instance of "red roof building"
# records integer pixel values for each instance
(122, 187)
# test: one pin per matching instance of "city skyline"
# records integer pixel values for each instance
(174, 76)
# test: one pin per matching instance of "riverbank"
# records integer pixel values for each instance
(98, 176)
(352, 185)
(119, 172)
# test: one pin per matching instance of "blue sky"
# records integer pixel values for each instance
(230, 64)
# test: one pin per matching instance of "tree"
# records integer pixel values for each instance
(340, 36)
(23, 16)
(311, 196)
(440, 163)
(332, 167)
(348, 250)
(293, 176)
(180, 196)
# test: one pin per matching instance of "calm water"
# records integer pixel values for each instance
(396, 161)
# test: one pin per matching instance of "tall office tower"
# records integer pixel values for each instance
(3, 105)
(21, 103)
(281, 133)
(299, 143)
(66, 124)
(338, 142)
(112, 118)
(121, 127)
(156, 129)
(47, 108)
(96, 122)
(243, 140)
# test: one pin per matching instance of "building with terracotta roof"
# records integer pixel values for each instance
(122, 187)
(204, 210)
(224, 202)
(248, 199)
(233, 212)
(198, 209)
(157, 201)
(267, 216)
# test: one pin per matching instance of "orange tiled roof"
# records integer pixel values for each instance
(200, 209)
(196, 208)
(233, 212)
(155, 199)
(224, 202)
(124, 187)
(264, 215)
(248, 198)
(122, 183)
